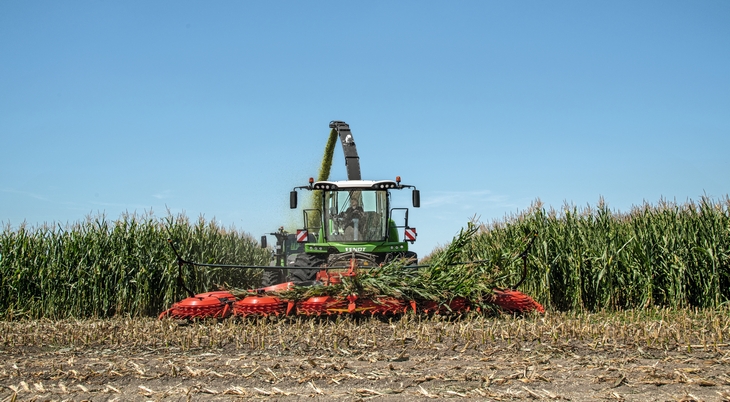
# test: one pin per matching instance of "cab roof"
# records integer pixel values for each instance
(356, 185)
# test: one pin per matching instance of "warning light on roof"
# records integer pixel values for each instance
(397, 179)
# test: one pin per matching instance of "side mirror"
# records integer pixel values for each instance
(263, 241)
(416, 199)
(293, 199)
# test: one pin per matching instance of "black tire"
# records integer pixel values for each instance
(272, 277)
(304, 275)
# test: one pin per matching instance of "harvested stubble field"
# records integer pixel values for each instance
(633, 356)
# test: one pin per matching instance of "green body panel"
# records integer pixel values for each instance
(386, 247)
(393, 245)
(393, 231)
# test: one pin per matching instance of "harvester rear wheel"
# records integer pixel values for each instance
(304, 275)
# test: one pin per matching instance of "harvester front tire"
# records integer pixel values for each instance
(273, 277)
(304, 275)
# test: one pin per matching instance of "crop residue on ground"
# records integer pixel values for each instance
(657, 354)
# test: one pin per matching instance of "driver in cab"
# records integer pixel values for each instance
(352, 218)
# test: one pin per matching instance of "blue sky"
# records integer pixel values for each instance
(220, 108)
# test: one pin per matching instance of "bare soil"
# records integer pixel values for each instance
(531, 358)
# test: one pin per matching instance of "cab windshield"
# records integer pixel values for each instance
(355, 215)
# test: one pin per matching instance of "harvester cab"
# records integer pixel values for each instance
(353, 219)
(349, 224)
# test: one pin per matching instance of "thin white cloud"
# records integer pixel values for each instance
(162, 194)
(129, 207)
(466, 200)
(25, 193)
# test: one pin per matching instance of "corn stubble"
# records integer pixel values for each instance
(639, 355)
(663, 329)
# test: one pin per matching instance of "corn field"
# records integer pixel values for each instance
(666, 255)
(102, 268)
(584, 259)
